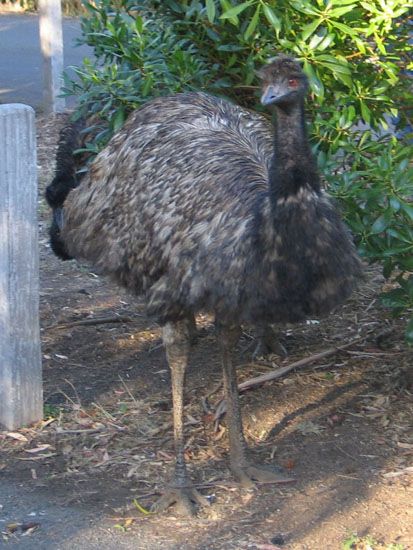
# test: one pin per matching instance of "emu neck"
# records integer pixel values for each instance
(293, 166)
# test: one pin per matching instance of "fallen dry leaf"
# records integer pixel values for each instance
(309, 428)
(17, 436)
(28, 528)
(38, 449)
(289, 464)
(38, 457)
(408, 470)
(266, 546)
(405, 445)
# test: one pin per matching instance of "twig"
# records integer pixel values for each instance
(104, 411)
(168, 424)
(127, 390)
(273, 375)
(204, 400)
(83, 431)
(373, 353)
(258, 380)
(74, 391)
(97, 321)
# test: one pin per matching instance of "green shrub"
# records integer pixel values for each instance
(374, 182)
(352, 51)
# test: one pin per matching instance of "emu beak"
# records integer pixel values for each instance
(273, 94)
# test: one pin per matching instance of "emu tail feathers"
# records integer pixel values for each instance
(64, 181)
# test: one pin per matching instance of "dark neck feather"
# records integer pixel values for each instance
(293, 166)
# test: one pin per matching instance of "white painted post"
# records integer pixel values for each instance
(51, 44)
(20, 358)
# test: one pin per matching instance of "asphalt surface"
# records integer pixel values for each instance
(62, 525)
(21, 64)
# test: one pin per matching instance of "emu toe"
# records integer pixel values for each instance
(186, 499)
(248, 475)
(269, 342)
(274, 347)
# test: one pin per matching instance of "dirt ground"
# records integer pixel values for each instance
(342, 425)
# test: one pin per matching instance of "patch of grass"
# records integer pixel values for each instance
(354, 542)
(51, 411)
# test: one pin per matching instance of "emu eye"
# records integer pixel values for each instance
(293, 82)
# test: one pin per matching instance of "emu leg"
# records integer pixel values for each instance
(243, 470)
(268, 342)
(193, 331)
(176, 338)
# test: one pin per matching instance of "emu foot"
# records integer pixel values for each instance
(269, 343)
(265, 348)
(186, 500)
(248, 475)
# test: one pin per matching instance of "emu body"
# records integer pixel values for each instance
(178, 207)
(199, 205)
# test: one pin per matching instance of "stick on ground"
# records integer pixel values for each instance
(258, 380)
(97, 321)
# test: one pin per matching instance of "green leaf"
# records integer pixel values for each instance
(379, 225)
(407, 209)
(399, 235)
(210, 7)
(380, 44)
(344, 28)
(409, 331)
(365, 112)
(147, 86)
(309, 29)
(305, 7)
(406, 263)
(388, 267)
(253, 23)
(139, 24)
(315, 82)
(409, 286)
(341, 2)
(321, 40)
(272, 18)
(230, 48)
(395, 251)
(340, 65)
(338, 12)
(394, 203)
(236, 10)
(360, 45)
(396, 298)
(345, 79)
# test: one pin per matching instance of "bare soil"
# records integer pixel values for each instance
(342, 426)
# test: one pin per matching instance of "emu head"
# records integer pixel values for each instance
(283, 82)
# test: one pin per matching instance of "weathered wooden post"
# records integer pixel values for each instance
(51, 43)
(20, 358)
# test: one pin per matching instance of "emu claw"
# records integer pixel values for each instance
(247, 475)
(185, 498)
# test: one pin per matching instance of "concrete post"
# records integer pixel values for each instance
(51, 44)
(20, 358)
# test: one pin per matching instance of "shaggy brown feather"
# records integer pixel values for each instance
(178, 207)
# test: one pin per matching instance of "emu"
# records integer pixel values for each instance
(201, 205)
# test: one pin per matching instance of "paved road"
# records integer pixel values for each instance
(62, 525)
(21, 60)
